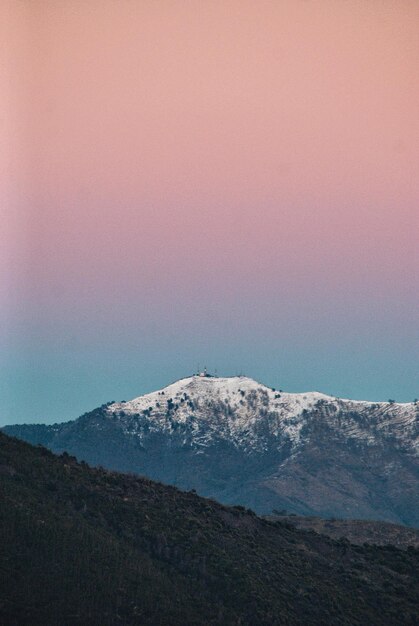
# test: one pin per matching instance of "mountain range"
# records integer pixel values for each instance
(240, 442)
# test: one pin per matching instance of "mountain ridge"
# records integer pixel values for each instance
(242, 442)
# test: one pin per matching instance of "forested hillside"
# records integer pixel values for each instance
(89, 546)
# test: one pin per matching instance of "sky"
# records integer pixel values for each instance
(228, 183)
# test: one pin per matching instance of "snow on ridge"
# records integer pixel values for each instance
(235, 409)
(205, 387)
(201, 387)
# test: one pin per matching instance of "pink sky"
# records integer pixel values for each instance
(205, 150)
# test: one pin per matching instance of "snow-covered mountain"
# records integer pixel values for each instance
(253, 416)
(241, 442)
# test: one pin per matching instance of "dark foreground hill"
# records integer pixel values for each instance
(88, 546)
(240, 442)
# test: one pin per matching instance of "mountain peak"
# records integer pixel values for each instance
(227, 386)
(247, 414)
(224, 386)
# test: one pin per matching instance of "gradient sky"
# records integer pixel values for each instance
(229, 183)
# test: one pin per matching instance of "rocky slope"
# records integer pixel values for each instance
(243, 443)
